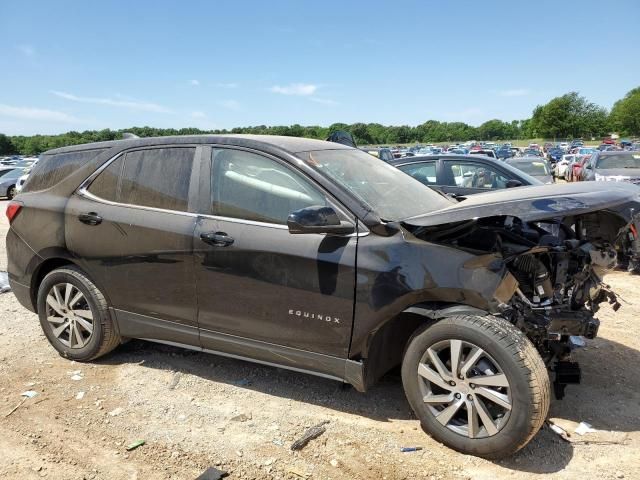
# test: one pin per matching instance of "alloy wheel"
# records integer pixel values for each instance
(69, 315)
(464, 388)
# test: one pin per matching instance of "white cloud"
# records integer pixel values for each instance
(515, 92)
(27, 50)
(230, 104)
(41, 114)
(195, 83)
(300, 89)
(198, 114)
(131, 104)
(226, 85)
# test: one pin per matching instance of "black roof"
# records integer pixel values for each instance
(287, 144)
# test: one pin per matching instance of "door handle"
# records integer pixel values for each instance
(91, 218)
(217, 239)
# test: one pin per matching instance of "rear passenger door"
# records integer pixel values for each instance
(131, 228)
(263, 292)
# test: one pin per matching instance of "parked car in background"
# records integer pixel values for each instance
(382, 153)
(532, 152)
(560, 168)
(504, 152)
(484, 152)
(613, 167)
(575, 175)
(536, 167)
(554, 154)
(8, 182)
(20, 182)
(464, 175)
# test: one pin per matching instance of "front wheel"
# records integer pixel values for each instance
(11, 192)
(476, 384)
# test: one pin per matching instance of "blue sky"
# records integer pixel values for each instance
(112, 64)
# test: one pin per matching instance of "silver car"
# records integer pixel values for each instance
(614, 167)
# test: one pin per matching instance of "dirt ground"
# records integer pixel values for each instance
(196, 410)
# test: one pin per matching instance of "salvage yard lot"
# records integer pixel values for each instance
(196, 410)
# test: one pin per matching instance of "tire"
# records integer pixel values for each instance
(515, 377)
(11, 192)
(91, 310)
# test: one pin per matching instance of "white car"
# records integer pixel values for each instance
(20, 182)
(561, 167)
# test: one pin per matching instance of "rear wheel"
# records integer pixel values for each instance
(11, 192)
(74, 315)
(477, 384)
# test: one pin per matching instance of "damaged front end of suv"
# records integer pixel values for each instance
(551, 253)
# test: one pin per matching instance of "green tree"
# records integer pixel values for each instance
(625, 114)
(6, 145)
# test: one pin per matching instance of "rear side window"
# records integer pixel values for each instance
(51, 169)
(106, 184)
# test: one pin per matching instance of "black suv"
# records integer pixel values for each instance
(321, 258)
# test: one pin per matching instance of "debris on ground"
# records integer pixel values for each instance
(298, 473)
(80, 396)
(134, 445)
(29, 394)
(175, 380)
(212, 473)
(310, 434)
(561, 432)
(584, 428)
(410, 449)
(76, 375)
(116, 411)
(242, 417)
(16, 407)
(4, 283)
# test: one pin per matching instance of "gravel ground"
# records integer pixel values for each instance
(196, 410)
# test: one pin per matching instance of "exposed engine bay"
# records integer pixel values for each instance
(554, 268)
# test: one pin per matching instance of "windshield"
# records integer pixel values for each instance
(536, 169)
(622, 160)
(382, 188)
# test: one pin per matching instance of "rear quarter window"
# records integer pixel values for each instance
(52, 169)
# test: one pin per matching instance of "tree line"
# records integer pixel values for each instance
(565, 117)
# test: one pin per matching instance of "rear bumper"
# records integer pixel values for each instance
(23, 294)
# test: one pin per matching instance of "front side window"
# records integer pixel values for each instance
(249, 186)
(423, 172)
(474, 175)
(156, 178)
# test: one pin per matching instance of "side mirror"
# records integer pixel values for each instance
(318, 219)
(513, 183)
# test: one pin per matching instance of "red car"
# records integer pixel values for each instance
(577, 169)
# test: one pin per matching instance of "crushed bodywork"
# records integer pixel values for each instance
(552, 252)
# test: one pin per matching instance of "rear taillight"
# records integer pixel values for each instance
(13, 209)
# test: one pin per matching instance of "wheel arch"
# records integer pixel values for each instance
(46, 267)
(386, 346)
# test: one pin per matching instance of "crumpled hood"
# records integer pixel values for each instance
(536, 202)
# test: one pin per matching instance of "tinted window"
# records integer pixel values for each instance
(51, 169)
(105, 184)
(157, 178)
(423, 172)
(473, 175)
(252, 187)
